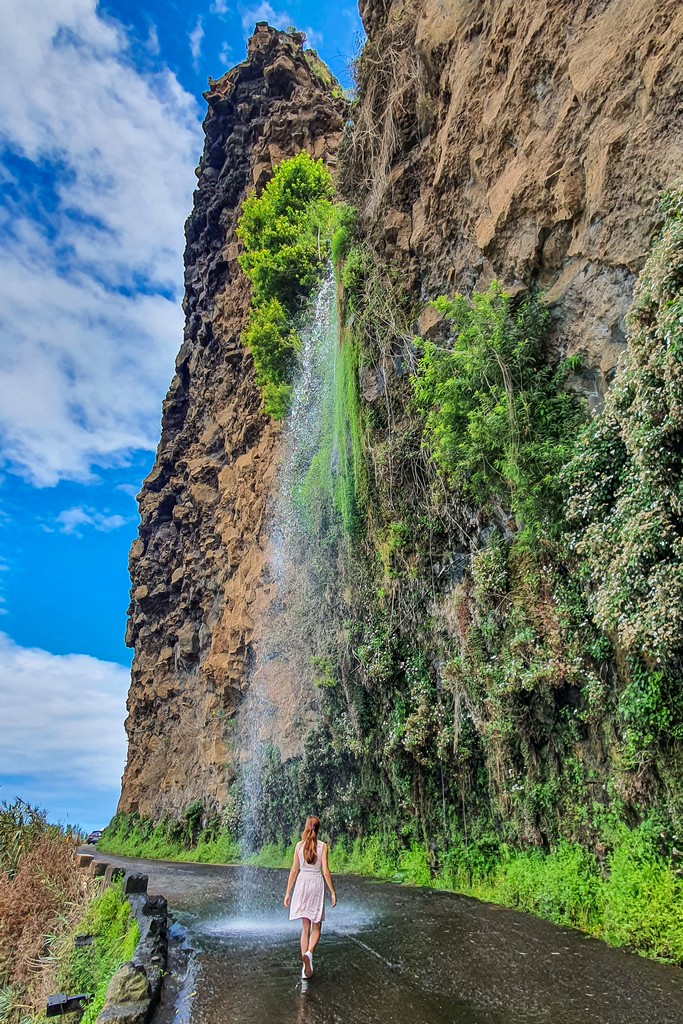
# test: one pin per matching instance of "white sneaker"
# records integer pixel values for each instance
(303, 974)
(308, 964)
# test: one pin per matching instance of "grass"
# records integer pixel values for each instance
(158, 843)
(634, 898)
(42, 894)
(91, 968)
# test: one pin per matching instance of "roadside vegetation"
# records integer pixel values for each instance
(45, 901)
(90, 968)
(42, 895)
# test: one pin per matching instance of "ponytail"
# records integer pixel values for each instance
(310, 839)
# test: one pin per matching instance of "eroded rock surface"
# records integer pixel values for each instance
(197, 564)
(525, 142)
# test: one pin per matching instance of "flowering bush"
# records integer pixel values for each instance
(626, 489)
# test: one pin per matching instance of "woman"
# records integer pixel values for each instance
(308, 901)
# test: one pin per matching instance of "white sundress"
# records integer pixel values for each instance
(308, 898)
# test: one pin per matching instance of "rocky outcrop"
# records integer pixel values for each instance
(525, 142)
(197, 564)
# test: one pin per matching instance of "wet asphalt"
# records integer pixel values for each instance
(389, 954)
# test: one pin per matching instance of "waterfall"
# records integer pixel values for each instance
(302, 524)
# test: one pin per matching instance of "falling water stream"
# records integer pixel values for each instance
(278, 684)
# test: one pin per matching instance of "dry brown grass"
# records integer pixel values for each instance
(40, 903)
(388, 74)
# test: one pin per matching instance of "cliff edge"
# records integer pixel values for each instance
(197, 564)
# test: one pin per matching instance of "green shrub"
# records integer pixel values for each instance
(626, 479)
(497, 419)
(285, 232)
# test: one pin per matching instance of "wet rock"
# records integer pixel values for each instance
(135, 883)
(124, 1013)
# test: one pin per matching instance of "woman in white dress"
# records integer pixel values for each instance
(310, 872)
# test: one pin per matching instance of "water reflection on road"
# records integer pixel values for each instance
(393, 955)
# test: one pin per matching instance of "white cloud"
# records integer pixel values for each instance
(264, 12)
(219, 7)
(226, 57)
(278, 19)
(131, 490)
(152, 44)
(71, 519)
(61, 714)
(89, 277)
(196, 36)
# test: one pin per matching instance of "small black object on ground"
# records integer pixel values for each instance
(61, 1003)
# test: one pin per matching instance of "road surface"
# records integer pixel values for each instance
(389, 954)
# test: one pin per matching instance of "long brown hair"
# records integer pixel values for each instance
(310, 838)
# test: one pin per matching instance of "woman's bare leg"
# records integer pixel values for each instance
(315, 936)
(305, 933)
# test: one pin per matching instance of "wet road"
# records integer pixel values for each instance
(389, 954)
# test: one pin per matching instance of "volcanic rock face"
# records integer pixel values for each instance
(522, 141)
(197, 564)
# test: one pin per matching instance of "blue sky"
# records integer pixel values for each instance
(100, 112)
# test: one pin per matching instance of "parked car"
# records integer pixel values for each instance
(95, 836)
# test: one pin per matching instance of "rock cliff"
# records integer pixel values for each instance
(525, 142)
(520, 142)
(197, 564)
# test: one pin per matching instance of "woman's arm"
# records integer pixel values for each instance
(294, 871)
(328, 877)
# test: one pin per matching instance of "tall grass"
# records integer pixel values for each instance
(41, 893)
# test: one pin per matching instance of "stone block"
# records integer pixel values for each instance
(135, 883)
(129, 985)
(113, 873)
(98, 868)
(84, 860)
(124, 1013)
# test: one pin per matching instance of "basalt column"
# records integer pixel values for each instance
(197, 564)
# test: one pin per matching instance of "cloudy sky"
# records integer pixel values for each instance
(100, 111)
